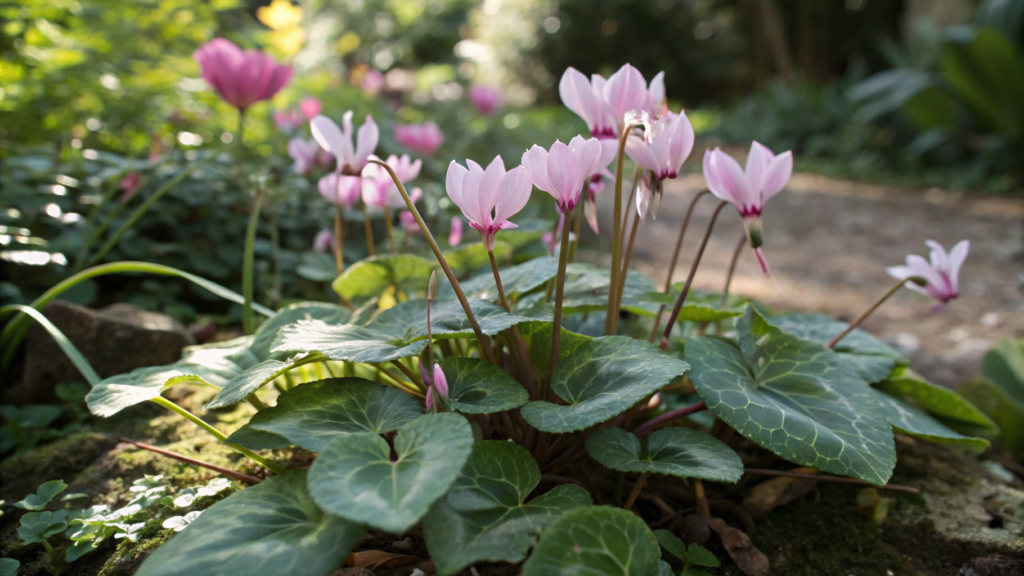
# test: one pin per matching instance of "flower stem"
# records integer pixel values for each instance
(413, 376)
(247, 262)
(576, 235)
(268, 464)
(647, 427)
(636, 490)
(520, 352)
(700, 499)
(387, 226)
(622, 273)
(485, 344)
(339, 242)
(370, 249)
(732, 270)
(563, 260)
(625, 262)
(689, 279)
(675, 258)
(856, 322)
(223, 471)
(616, 232)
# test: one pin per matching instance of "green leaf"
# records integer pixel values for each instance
(1007, 414)
(9, 566)
(701, 556)
(515, 280)
(664, 569)
(273, 527)
(254, 378)
(595, 541)
(679, 452)
(43, 495)
(476, 386)
(699, 313)
(317, 266)
(914, 421)
(38, 526)
(872, 358)
(940, 401)
(485, 517)
(355, 477)
(347, 343)
(73, 353)
(795, 398)
(369, 277)
(1004, 365)
(599, 378)
(470, 257)
(323, 311)
(407, 321)
(671, 543)
(253, 439)
(314, 414)
(987, 71)
(212, 364)
(586, 290)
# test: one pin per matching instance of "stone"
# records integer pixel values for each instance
(115, 340)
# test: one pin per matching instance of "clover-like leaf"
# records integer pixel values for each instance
(314, 414)
(81, 548)
(256, 377)
(476, 386)
(795, 398)
(273, 527)
(595, 541)
(599, 378)
(370, 276)
(671, 543)
(346, 343)
(872, 358)
(914, 421)
(407, 321)
(36, 527)
(485, 517)
(679, 452)
(327, 313)
(940, 401)
(253, 439)
(355, 477)
(515, 280)
(212, 364)
(44, 493)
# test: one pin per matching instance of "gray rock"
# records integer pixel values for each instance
(116, 339)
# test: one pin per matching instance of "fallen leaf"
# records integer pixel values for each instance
(776, 492)
(373, 559)
(748, 559)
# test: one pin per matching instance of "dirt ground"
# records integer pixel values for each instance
(829, 242)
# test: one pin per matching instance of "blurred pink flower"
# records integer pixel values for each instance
(424, 138)
(765, 176)
(455, 236)
(379, 189)
(372, 82)
(664, 146)
(240, 77)
(310, 107)
(287, 120)
(485, 99)
(562, 171)
(488, 197)
(408, 222)
(324, 241)
(304, 153)
(339, 189)
(942, 273)
(602, 104)
(351, 158)
(129, 185)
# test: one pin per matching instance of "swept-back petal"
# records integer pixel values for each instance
(564, 173)
(776, 175)
(956, 259)
(515, 192)
(588, 155)
(657, 91)
(641, 153)
(626, 90)
(366, 140)
(535, 160)
(328, 135)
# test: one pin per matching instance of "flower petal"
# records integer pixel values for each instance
(776, 175)
(535, 160)
(515, 193)
(328, 135)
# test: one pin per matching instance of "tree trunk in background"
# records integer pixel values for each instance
(941, 12)
(769, 19)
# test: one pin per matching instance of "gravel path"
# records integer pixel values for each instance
(829, 241)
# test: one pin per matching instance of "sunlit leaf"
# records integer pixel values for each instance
(323, 311)
(347, 342)
(473, 256)
(371, 276)
(515, 279)
(408, 320)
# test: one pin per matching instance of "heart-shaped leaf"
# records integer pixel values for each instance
(9, 566)
(940, 401)
(314, 414)
(599, 378)
(348, 343)
(914, 421)
(586, 290)
(680, 452)
(327, 313)
(476, 386)
(271, 528)
(369, 277)
(407, 321)
(872, 358)
(355, 477)
(253, 439)
(485, 517)
(795, 398)
(254, 378)
(43, 495)
(473, 256)
(515, 280)
(213, 364)
(595, 540)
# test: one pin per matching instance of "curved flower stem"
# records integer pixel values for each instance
(675, 259)
(397, 382)
(622, 280)
(520, 352)
(339, 241)
(636, 490)
(732, 270)
(616, 232)
(689, 279)
(268, 464)
(387, 226)
(485, 343)
(576, 235)
(563, 260)
(700, 500)
(411, 375)
(625, 265)
(647, 427)
(370, 248)
(856, 322)
(247, 262)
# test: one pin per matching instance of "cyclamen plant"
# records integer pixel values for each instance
(456, 404)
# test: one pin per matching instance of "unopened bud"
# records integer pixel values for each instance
(432, 286)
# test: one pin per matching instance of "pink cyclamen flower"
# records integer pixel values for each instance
(485, 99)
(488, 197)
(324, 241)
(664, 146)
(339, 189)
(379, 189)
(602, 104)
(372, 82)
(438, 382)
(351, 158)
(304, 153)
(310, 107)
(408, 222)
(423, 138)
(562, 171)
(287, 121)
(240, 77)
(129, 185)
(455, 236)
(765, 176)
(942, 273)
